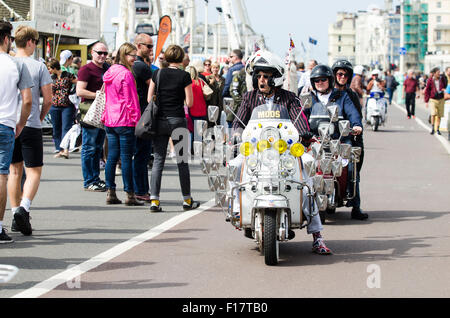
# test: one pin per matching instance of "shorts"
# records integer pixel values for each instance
(29, 148)
(7, 136)
(437, 107)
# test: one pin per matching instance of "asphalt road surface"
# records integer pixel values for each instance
(82, 248)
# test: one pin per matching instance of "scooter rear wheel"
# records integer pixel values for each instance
(376, 123)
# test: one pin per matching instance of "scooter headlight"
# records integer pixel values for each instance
(262, 145)
(246, 149)
(252, 162)
(297, 150)
(288, 162)
(280, 145)
(270, 158)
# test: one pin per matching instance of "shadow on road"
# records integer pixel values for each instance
(343, 217)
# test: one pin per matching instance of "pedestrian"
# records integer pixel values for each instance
(300, 71)
(174, 91)
(304, 85)
(237, 90)
(143, 75)
(236, 57)
(14, 78)
(207, 65)
(198, 110)
(434, 95)
(66, 60)
(391, 85)
(410, 87)
(186, 61)
(76, 64)
(122, 113)
(90, 80)
(217, 83)
(62, 111)
(28, 146)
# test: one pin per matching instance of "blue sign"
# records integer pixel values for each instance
(402, 51)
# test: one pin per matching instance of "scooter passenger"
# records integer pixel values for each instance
(267, 73)
(324, 94)
(343, 73)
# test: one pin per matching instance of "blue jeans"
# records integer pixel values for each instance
(7, 137)
(91, 152)
(390, 92)
(62, 121)
(140, 166)
(121, 143)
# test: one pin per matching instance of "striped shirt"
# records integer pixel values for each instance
(254, 98)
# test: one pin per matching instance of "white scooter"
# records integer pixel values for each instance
(376, 110)
(267, 189)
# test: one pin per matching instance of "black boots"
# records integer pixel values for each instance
(357, 214)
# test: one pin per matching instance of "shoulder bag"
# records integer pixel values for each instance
(207, 91)
(146, 127)
(93, 116)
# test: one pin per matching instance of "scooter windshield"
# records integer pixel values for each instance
(270, 112)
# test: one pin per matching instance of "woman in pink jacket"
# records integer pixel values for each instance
(122, 113)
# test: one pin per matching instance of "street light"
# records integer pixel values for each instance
(219, 9)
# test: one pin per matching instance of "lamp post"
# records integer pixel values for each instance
(219, 9)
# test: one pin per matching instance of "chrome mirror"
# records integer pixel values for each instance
(336, 168)
(306, 100)
(344, 128)
(346, 151)
(328, 186)
(334, 147)
(211, 184)
(200, 127)
(310, 168)
(233, 173)
(322, 202)
(325, 166)
(333, 112)
(219, 133)
(213, 113)
(205, 166)
(198, 149)
(220, 199)
(318, 183)
(317, 150)
(324, 132)
(228, 104)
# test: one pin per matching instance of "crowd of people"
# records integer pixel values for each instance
(129, 78)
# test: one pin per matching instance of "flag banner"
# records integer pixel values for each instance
(187, 38)
(291, 43)
(303, 46)
(165, 27)
(311, 40)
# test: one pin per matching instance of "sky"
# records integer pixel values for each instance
(277, 19)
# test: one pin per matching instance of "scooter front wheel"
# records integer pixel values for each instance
(271, 243)
(376, 123)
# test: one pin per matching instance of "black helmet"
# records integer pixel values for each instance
(343, 64)
(321, 71)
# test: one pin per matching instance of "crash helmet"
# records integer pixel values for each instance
(267, 62)
(359, 70)
(376, 72)
(321, 71)
(343, 64)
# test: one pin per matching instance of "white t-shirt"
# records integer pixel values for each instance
(14, 77)
(323, 98)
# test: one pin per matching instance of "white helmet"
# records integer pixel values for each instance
(376, 72)
(359, 69)
(267, 62)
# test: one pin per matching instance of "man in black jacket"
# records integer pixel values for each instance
(343, 72)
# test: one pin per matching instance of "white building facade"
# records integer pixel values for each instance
(341, 38)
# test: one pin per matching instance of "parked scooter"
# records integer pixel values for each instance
(376, 110)
(267, 190)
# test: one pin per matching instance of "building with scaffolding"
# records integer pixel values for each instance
(415, 33)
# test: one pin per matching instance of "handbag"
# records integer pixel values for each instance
(146, 126)
(93, 116)
(207, 91)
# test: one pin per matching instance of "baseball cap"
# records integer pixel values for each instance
(64, 56)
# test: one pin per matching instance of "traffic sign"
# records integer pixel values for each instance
(402, 51)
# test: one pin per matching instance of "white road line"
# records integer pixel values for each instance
(74, 272)
(442, 139)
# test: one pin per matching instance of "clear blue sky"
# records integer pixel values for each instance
(276, 19)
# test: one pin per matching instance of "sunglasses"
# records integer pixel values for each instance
(207, 64)
(149, 46)
(101, 53)
(264, 76)
(341, 74)
(317, 80)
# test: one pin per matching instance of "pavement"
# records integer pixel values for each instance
(82, 248)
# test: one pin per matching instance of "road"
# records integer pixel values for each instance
(82, 248)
